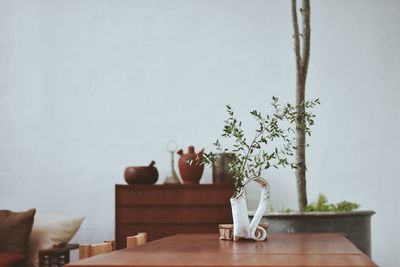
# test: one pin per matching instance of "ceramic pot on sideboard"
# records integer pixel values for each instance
(220, 169)
(141, 174)
(191, 173)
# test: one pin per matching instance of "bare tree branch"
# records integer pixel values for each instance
(296, 36)
(302, 60)
(306, 34)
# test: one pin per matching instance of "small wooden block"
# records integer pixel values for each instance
(144, 237)
(226, 231)
(112, 242)
(136, 240)
(87, 250)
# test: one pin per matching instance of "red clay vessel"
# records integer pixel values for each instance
(191, 172)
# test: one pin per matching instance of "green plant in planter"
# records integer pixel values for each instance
(323, 205)
(271, 146)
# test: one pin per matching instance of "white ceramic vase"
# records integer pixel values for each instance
(242, 227)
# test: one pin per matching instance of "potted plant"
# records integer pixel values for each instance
(253, 156)
(319, 216)
(270, 147)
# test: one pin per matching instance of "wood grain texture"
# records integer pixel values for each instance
(164, 210)
(300, 249)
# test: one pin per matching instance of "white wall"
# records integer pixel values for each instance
(89, 87)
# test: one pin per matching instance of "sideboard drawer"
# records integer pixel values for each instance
(173, 214)
(191, 195)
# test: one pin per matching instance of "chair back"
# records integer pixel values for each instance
(87, 250)
(136, 240)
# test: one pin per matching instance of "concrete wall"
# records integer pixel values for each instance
(89, 87)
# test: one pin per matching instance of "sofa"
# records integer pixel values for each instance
(28, 239)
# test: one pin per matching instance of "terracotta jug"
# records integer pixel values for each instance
(191, 173)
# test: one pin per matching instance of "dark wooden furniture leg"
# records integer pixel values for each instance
(56, 256)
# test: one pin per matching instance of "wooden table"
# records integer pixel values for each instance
(300, 249)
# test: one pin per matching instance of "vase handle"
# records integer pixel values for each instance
(261, 209)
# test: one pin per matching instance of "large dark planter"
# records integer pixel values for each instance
(356, 225)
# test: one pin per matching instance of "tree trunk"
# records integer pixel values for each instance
(302, 58)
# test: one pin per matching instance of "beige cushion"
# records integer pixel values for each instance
(51, 230)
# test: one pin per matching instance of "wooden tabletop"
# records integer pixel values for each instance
(197, 250)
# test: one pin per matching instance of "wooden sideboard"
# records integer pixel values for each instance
(164, 210)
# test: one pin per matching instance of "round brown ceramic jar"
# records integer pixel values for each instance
(141, 174)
